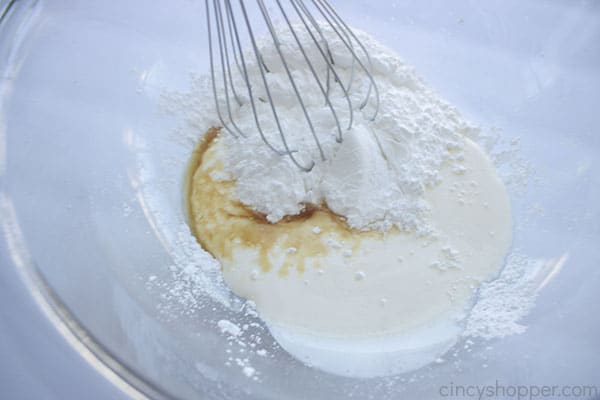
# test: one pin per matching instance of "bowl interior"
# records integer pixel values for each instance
(93, 165)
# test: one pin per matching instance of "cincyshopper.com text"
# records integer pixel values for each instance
(519, 392)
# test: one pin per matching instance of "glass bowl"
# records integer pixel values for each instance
(91, 202)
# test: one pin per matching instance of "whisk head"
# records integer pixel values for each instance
(242, 76)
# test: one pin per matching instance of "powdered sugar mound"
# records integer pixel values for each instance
(376, 177)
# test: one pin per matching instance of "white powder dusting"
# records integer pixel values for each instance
(248, 371)
(229, 328)
(244, 340)
(359, 275)
(504, 301)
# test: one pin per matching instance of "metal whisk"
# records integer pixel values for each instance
(228, 58)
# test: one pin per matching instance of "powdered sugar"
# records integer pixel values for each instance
(376, 177)
(229, 328)
(504, 301)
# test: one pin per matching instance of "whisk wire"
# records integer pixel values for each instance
(302, 6)
(372, 85)
(313, 72)
(336, 25)
(246, 80)
(212, 72)
(316, 25)
(225, 65)
(261, 68)
(328, 59)
(226, 44)
(290, 77)
(231, 35)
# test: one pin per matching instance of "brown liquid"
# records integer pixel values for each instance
(221, 223)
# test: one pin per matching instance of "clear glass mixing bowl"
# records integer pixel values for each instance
(80, 102)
